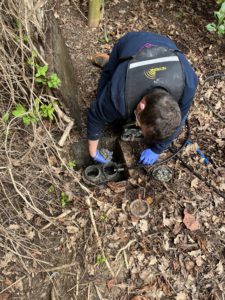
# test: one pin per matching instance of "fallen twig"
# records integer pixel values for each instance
(124, 248)
(88, 201)
(38, 211)
(83, 15)
(60, 113)
(65, 134)
(55, 268)
(125, 259)
(77, 286)
(68, 120)
(53, 293)
(98, 292)
(11, 285)
(62, 215)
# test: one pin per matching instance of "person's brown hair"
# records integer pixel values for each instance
(161, 115)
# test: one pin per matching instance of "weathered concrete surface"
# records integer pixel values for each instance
(60, 62)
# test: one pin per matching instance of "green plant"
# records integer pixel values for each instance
(41, 76)
(100, 259)
(220, 15)
(71, 164)
(103, 218)
(31, 60)
(52, 81)
(47, 111)
(51, 189)
(5, 117)
(64, 199)
(27, 117)
(32, 116)
(105, 38)
(178, 15)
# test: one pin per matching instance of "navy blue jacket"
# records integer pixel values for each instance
(110, 101)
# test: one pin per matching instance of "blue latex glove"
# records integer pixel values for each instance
(99, 158)
(148, 157)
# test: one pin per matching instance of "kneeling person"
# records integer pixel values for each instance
(147, 77)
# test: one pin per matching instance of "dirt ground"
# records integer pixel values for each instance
(102, 251)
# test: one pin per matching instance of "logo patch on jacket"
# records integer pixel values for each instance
(151, 73)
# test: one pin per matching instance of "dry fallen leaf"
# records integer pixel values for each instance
(6, 259)
(177, 228)
(30, 234)
(181, 296)
(199, 261)
(190, 222)
(110, 283)
(149, 200)
(221, 133)
(218, 105)
(191, 148)
(14, 227)
(194, 183)
(222, 186)
(72, 229)
(153, 260)
(8, 281)
(4, 296)
(208, 93)
(189, 265)
(143, 225)
(117, 187)
(28, 214)
(219, 268)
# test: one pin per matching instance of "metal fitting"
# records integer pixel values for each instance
(131, 135)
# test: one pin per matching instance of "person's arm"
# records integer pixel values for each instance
(95, 153)
(100, 112)
(92, 146)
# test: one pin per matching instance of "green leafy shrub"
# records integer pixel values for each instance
(100, 259)
(220, 15)
(41, 76)
(5, 117)
(64, 199)
(71, 164)
(27, 117)
(32, 116)
(52, 81)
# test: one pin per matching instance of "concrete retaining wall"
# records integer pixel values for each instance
(59, 61)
